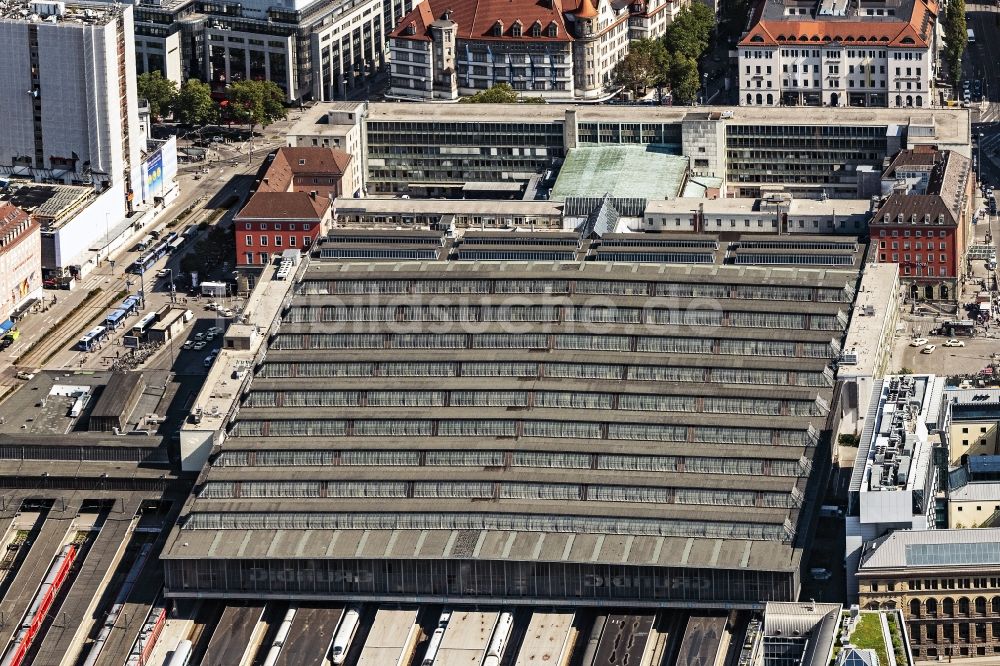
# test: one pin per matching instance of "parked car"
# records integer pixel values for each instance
(201, 336)
(819, 573)
(198, 346)
(954, 343)
(25, 375)
(929, 349)
(188, 344)
(918, 342)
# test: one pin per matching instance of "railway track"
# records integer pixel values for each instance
(65, 329)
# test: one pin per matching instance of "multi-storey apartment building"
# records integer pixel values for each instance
(20, 259)
(838, 53)
(924, 223)
(291, 205)
(444, 50)
(70, 114)
(312, 49)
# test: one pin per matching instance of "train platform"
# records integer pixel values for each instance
(233, 640)
(53, 535)
(74, 618)
(310, 636)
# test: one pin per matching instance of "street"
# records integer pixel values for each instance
(48, 335)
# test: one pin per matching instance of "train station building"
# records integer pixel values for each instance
(565, 432)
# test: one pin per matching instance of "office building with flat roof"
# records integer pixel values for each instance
(895, 478)
(313, 50)
(426, 149)
(74, 118)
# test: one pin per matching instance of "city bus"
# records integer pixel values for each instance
(143, 324)
(972, 36)
(93, 339)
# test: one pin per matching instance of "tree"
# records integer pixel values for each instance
(501, 93)
(691, 32)
(158, 91)
(635, 72)
(256, 102)
(194, 104)
(659, 57)
(955, 38)
(684, 81)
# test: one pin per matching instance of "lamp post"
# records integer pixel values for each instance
(704, 77)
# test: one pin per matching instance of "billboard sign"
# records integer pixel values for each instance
(152, 176)
(130, 341)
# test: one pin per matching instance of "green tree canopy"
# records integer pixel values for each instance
(256, 102)
(194, 104)
(647, 64)
(691, 31)
(684, 80)
(955, 38)
(658, 57)
(160, 92)
(501, 93)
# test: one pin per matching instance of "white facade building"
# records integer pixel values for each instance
(69, 110)
(864, 55)
(560, 52)
(894, 480)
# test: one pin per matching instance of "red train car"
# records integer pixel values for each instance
(39, 608)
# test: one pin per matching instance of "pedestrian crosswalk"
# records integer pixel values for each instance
(990, 113)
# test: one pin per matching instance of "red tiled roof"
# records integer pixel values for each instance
(915, 32)
(476, 18)
(288, 162)
(284, 206)
(11, 214)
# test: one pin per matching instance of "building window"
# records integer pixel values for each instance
(249, 240)
(263, 241)
(277, 240)
(291, 241)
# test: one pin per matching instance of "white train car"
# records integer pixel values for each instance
(498, 642)
(392, 638)
(345, 635)
(548, 640)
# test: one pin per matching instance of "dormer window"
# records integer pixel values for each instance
(498, 29)
(536, 29)
(411, 28)
(515, 30)
(553, 30)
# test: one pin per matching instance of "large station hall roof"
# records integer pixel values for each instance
(570, 414)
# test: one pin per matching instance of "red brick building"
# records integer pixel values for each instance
(923, 223)
(291, 206)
